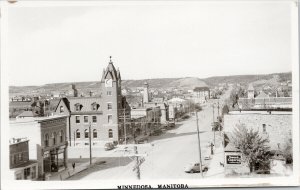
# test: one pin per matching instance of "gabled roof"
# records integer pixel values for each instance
(262, 94)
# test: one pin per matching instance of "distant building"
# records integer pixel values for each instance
(47, 142)
(21, 167)
(250, 91)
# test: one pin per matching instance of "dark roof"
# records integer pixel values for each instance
(86, 103)
(204, 88)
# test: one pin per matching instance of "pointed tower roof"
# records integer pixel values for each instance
(110, 71)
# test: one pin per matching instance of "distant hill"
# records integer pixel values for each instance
(246, 79)
(183, 83)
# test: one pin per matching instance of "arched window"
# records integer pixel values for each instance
(46, 140)
(86, 134)
(54, 138)
(61, 136)
(95, 106)
(94, 133)
(78, 107)
(77, 134)
(61, 109)
(110, 133)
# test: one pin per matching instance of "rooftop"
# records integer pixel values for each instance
(35, 119)
(261, 112)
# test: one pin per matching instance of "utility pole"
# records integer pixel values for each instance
(214, 124)
(199, 146)
(138, 174)
(90, 138)
(218, 108)
(125, 127)
(74, 138)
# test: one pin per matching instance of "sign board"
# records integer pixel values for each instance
(233, 159)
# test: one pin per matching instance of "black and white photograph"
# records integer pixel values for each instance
(149, 94)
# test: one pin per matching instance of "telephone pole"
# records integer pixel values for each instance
(214, 124)
(124, 115)
(138, 173)
(199, 146)
(90, 138)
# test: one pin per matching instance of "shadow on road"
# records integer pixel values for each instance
(110, 162)
(169, 134)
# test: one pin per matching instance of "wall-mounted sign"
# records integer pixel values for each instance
(233, 159)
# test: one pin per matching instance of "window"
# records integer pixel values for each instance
(109, 118)
(78, 107)
(61, 109)
(110, 133)
(61, 136)
(109, 106)
(85, 119)
(95, 106)
(86, 134)
(77, 134)
(264, 128)
(46, 140)
(108, 93)
(94, 119)
(77, 119)
(54, 137)
(94, 133)
(20, 156)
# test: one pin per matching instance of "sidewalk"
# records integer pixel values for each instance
(70, 172)
(215, 170)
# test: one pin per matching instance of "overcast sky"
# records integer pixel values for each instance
(194, 39)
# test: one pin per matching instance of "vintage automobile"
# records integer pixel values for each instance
(195, 167)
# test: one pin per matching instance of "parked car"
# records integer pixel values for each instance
(207, 157)
(142, 140)
(109, 146)
(195, 167)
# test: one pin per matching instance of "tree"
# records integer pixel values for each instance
(288, 151)
(233, 98)
(254, 148)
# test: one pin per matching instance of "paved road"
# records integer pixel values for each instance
(166, 159)
(171, 152)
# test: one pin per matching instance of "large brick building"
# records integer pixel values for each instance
(47, 142)
(104, 113)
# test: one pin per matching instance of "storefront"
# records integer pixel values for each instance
(27, 171)
(55, 159)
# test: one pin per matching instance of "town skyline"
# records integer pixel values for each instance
(263, 74)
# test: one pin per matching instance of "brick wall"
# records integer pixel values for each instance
(278, 127)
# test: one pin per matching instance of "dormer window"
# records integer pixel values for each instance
(95, 106)
(78, 107)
